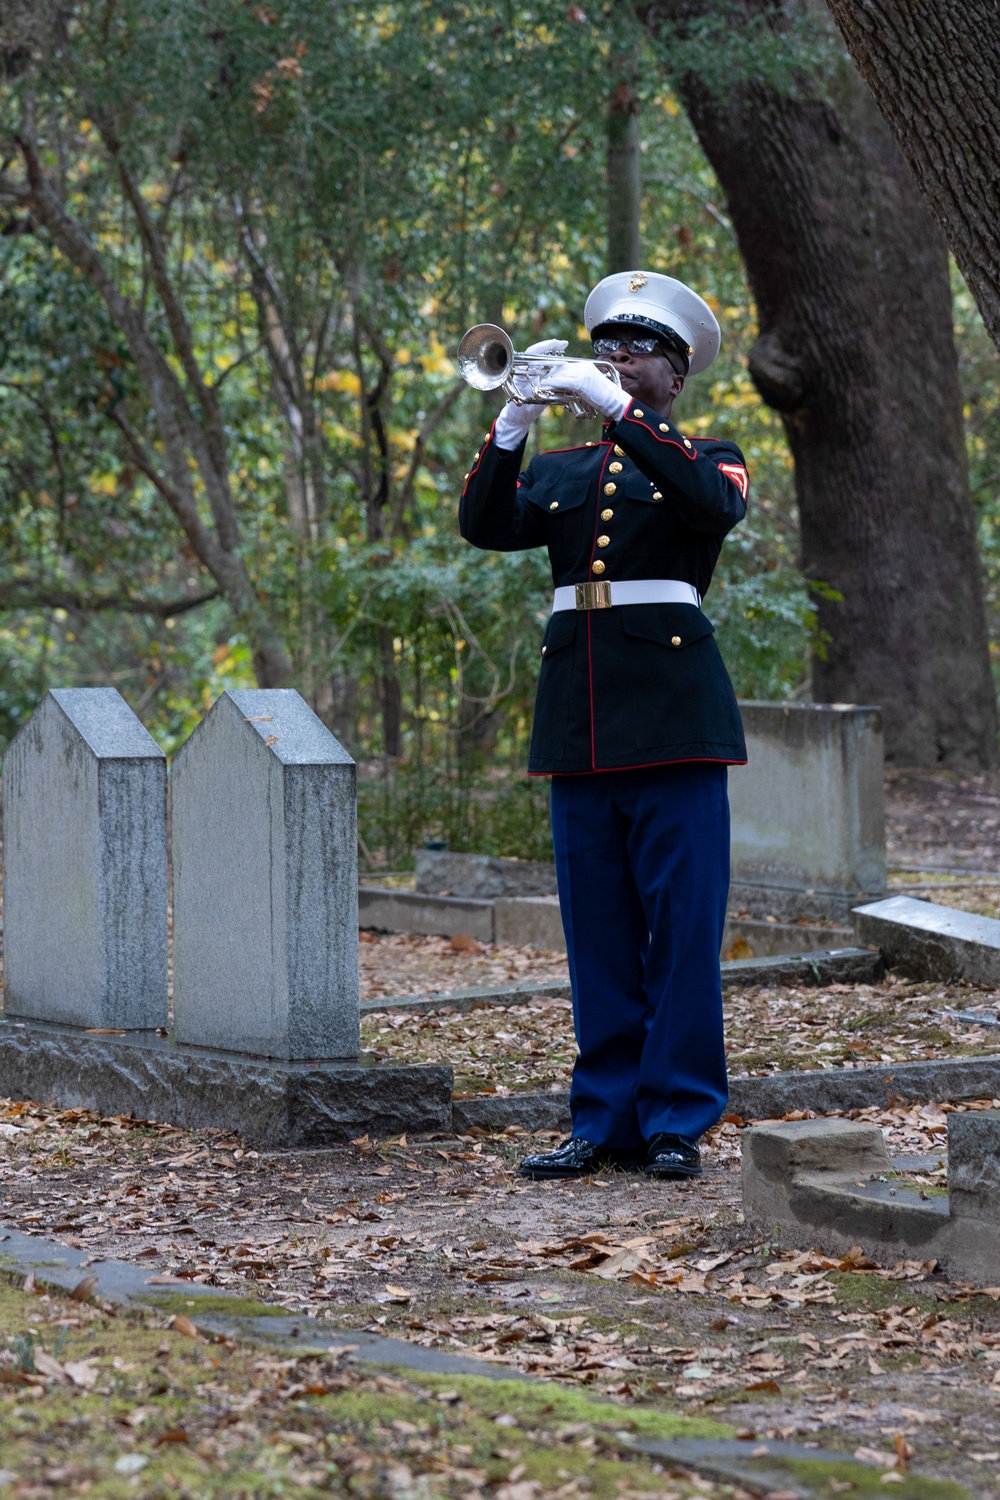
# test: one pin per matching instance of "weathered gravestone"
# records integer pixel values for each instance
(265, 928)
(85, 865)
(808, 809)
(265, 852)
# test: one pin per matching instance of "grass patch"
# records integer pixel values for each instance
(172, 1303)
(859, 1292)
(859, 1482)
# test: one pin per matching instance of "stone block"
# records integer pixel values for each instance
(85, 865)
(925, 941)
(388, 910)
(481, 876)
(808, 811)
(265, 882)
(774, 1154)
(974, 1164)
(278, 1104)
(529, 922)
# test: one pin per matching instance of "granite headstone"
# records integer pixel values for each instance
(85, 866)
(265, 882)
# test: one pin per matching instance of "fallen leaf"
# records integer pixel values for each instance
(398, 1293)
(463, 943)
(172, 1435)
(46, 1365)
(183, 1325)
(85, 1289)
(82, 1372)
(876, 1456)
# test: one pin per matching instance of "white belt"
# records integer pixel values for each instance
(601, 595)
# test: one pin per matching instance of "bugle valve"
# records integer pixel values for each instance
(488, 361)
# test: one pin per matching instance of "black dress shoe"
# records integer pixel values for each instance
(577, 1158)
(672, 1156)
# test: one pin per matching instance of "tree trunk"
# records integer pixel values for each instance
(856, 352)
(933, 70)
(624, 178)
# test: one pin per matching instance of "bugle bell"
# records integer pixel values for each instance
(488, 361)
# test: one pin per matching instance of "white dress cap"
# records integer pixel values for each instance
(658, 302)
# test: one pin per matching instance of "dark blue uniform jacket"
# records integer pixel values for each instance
(636, 684)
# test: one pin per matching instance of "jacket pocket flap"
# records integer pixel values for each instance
(674, 625)
(560, 631)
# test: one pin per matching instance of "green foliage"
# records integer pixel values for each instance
(340, 190)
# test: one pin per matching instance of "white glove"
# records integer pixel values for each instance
(514, 421)
(591, 385)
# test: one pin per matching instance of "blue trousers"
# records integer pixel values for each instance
(642, 862)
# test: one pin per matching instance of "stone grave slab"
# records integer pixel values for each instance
(922, 940)
(85, 865)
(831, 1183)
(265, 882)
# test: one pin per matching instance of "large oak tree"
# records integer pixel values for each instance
(856, 352)
(933, 70)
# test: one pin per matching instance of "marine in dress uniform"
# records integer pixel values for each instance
(635, 720)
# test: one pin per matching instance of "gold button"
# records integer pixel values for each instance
(619, 451)
(614, 468)
(486, 437)
(554, 505)
(675, 640)
(657, 495)
(609, 489)
(466, 476)
(544, 649)
(598, 566)
(607, 514)
(475, 458)
(664, 427)
(637, 413)
(604, 541)
(687, 443)
(591, 444)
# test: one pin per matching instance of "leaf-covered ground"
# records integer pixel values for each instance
(117, 1406)
(531, 1047)
(648, 1293)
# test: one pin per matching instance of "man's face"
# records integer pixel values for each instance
(650, 378)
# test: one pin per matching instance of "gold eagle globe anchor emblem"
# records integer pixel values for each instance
(637, 281)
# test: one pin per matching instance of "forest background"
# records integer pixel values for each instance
(240, 243)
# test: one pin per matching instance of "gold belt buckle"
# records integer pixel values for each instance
(593, 595)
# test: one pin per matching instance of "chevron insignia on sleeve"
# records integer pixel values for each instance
(739, 476)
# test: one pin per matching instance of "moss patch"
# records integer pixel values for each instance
(172, 1303)
(818, 1474)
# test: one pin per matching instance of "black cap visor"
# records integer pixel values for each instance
(667, 335)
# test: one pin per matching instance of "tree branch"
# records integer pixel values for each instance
(40, 596)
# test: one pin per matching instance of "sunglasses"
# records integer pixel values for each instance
(605, 347)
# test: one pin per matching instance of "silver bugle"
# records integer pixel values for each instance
(488, 361)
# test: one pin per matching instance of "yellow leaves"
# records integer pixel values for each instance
(712, 301)
(104, 484)
(403, 356)
(86, 126)
(436, 361)
(340, 380)
(670, 105)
